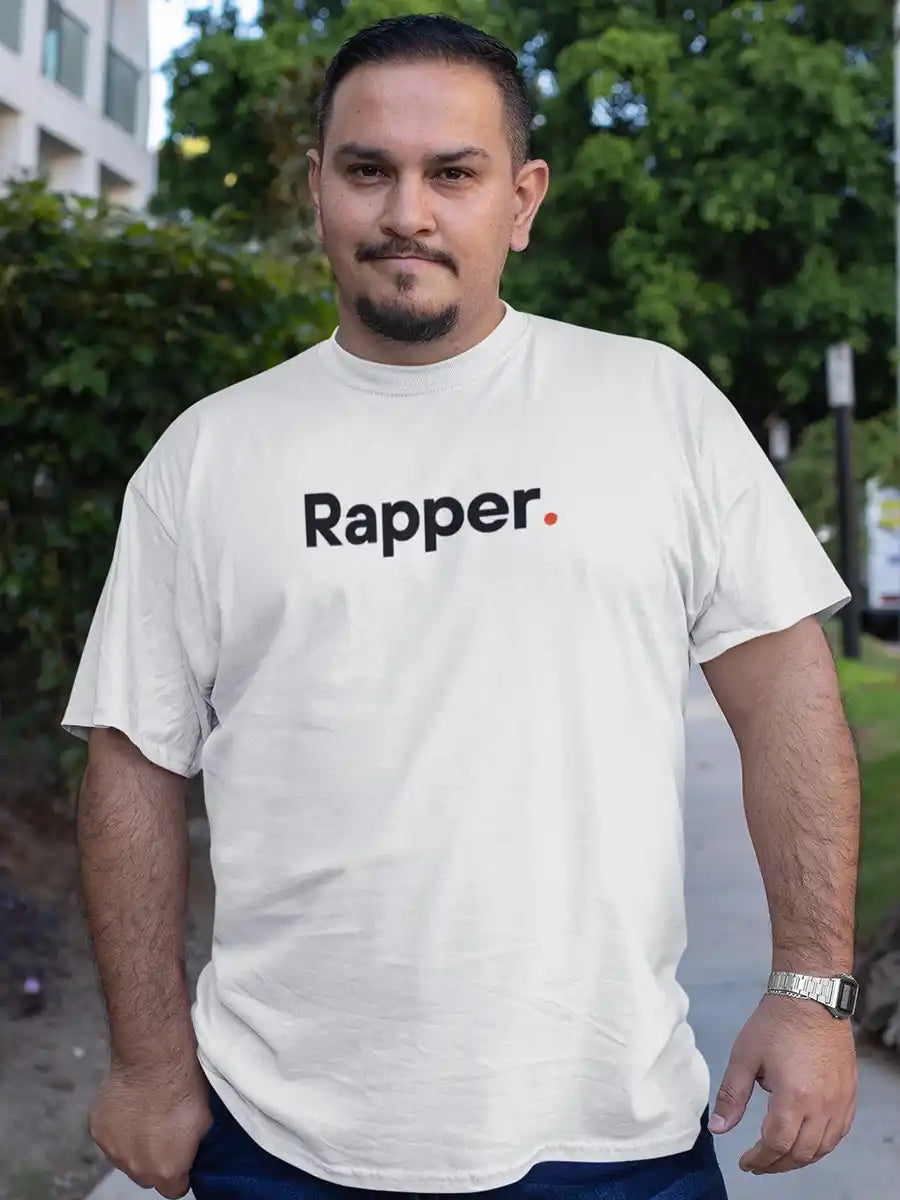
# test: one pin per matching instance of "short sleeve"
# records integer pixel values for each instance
(767, 569)
(133, 674)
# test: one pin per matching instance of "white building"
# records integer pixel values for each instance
(74, 96)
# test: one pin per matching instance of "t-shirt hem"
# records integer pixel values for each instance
(736, 637)
(151, 750)
(588, 1151)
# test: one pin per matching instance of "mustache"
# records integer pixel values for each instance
(399, 249)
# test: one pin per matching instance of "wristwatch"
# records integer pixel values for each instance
(838, 993)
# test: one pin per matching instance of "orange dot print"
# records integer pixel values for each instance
(550, 519)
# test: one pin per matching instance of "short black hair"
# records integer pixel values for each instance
(421, 36)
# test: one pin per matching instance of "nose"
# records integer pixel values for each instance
(407, 211)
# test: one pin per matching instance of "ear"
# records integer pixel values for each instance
(532, 183)
(315, 188)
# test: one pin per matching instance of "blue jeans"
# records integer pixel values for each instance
(229, 1165)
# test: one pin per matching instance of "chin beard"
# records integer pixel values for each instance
(398, 323)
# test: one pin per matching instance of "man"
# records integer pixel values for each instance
(420, 603)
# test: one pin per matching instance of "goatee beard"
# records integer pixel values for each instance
(398, 323)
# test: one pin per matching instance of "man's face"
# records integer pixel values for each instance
(417, 201)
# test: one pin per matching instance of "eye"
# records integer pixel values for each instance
(362, 169)
(457, 174)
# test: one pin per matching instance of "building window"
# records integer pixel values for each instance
(11, 24)
(122, 83)
(64, 48)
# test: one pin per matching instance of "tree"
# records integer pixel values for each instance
(724, 171)
(242, 120)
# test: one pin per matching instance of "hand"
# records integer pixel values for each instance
(806, 1059)
(149, 1123)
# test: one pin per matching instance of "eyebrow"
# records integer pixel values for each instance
(375, 154)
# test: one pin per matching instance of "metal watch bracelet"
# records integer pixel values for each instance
(837, 993)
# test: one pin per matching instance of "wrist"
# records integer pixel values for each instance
(158, 1063)
(176, 1048)
(801, 1013)
(822, 965)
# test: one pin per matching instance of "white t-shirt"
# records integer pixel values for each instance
(427, 633)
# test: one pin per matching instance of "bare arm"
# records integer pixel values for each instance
(134, 868)
(780, 695)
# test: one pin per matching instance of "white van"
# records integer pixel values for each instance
(882, 520)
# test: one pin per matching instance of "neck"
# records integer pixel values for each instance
(355, 338)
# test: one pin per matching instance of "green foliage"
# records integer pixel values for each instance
(724, 170)
(110, 326)
(251, 102)
(812, 468)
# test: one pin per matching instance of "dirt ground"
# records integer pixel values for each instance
(53, 1043)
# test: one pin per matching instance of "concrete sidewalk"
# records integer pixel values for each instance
(725, 971)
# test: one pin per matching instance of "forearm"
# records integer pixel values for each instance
(801, 798)
(134, 869)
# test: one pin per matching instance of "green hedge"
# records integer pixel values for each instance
(110, 325)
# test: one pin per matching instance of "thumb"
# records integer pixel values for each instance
(732, 1097)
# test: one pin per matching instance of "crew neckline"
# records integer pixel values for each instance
(389, 379)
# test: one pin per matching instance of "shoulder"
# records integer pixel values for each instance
(242, 400)
(633, 362)
(216, 426)
(606, 347)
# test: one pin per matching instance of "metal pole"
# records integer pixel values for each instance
(842, 398)
(851, 615)
(897, 194)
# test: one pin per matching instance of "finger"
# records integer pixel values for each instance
(175, 1189)
(845, 1122)
(733, 1096)
(804, 1150)
(144, 1182)
(780, 1129)
(834, 1134)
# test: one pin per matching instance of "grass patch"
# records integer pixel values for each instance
(879, 867)
(33, 1183)
(871, 693)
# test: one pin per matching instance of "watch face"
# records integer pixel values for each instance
(846, 1001)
